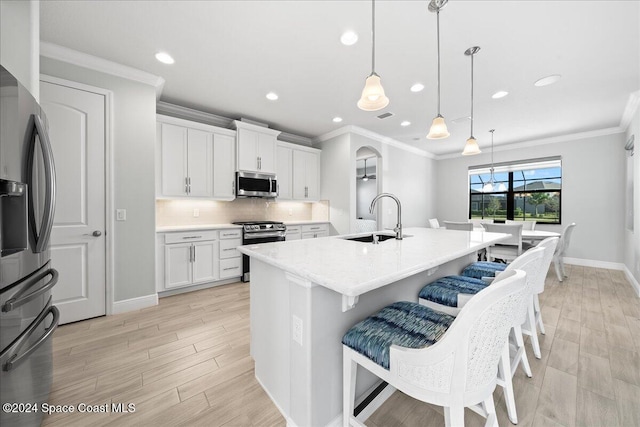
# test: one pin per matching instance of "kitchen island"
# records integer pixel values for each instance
(306, 294)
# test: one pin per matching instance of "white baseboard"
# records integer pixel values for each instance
(134, 304)
(608, 265)
(632, 280)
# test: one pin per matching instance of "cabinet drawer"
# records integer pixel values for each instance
(315, 234)
(191, 236)
(231, 267)
(315, 228)
(231, 234)
(228, 248)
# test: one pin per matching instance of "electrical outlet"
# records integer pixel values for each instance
(121, 214)
(196, 213)
(296, 332)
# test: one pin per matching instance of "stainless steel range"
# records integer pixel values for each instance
(254, 232)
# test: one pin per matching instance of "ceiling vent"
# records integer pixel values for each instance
(385, 115)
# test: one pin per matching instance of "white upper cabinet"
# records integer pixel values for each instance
(306, 175)
(194, 160)
(298, 171)
(256, 148)
(224, 156)
(284, 166)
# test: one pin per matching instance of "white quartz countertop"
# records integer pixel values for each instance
(305, 222)
(354, 268)
(195, 227)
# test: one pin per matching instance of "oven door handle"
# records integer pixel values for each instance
(263, 235)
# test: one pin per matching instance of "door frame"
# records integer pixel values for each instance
(108, 180)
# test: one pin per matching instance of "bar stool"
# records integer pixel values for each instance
(433, 357)
(530, 262)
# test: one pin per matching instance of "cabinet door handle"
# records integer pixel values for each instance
(233, 188)
(186, 185)
(230, 268)
(194, 253)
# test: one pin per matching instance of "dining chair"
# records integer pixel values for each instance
(478, 222)
(433, 222)
(534, 314)
(563, 244)
(450, 294)
(452, 225)
(508, 249)
(434, 357)
(526, 225)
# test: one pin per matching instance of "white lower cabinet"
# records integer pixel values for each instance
(197, 258)
(230, 258)
(294, 232)
(312, 231)
(190, 258)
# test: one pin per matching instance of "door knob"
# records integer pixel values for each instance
(96, 233)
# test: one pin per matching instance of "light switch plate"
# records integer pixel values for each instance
(121, 214)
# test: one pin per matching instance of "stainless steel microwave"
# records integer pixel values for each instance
(252, 184)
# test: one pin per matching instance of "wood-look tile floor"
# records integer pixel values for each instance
(186, 362)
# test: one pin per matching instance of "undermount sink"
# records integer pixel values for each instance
(369, 237)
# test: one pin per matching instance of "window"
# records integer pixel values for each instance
(529, 190)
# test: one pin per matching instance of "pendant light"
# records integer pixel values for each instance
(490, 186)
(373, 97)
(438, 128)
(471, 147)
(365, 177)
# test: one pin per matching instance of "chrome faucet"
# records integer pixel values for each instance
(398, 229)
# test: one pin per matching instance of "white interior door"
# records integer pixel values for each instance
(77, 131)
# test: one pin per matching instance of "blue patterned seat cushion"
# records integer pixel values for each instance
(403, 323)
(482, 269)
(445, 290)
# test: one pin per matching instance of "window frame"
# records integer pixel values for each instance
(511, 195)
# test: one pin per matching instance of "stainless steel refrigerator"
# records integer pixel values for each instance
(27, 206)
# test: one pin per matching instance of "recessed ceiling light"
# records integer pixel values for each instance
(349, 38)
(165, 58)
(271, 96)
(417, 87)
(405, 123)
(549, 80)
(500, 94)
(337, 119)
(460, 119)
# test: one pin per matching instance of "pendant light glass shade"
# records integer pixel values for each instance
(438, 128)
(471, 147)
(491, 186)
(373, 97)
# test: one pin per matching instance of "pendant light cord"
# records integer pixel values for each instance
(472, 95)
(373, 36)
(438, 39)
(492, 179)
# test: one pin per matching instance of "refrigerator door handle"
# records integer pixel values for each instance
(10, 356)
(42, 239)
(19, 299)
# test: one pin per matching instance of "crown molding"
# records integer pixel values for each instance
(630, 110)
(372, 135)
(193, 115)
(542, 141)
(64, 54)
(295, 139)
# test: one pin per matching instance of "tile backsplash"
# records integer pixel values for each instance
(183, 212)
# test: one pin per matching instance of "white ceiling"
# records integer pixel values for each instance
(229, 54)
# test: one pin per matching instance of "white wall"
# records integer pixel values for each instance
(632, 238)
(133, 145)
(407, 175)
(592, 191)
(334, 178)
(20, 42)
